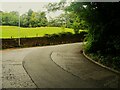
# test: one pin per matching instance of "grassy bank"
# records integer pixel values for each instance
(13, 31)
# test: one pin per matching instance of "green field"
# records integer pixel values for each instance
(13, 31)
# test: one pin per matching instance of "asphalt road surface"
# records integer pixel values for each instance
(13, 73)
(60, 66)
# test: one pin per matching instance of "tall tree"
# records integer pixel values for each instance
(10, 18)
(29, 14)
(69, 19)
(1, 17)
(24, 20)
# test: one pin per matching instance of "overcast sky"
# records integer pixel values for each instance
(35, 5)
(23, 7)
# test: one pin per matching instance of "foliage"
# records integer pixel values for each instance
(0, 17)
(10, 18)
(68, 19)
(29, 19)
(56, 6)
(103, 20)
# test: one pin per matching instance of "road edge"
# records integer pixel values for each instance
(60, 66)
(23, 64)
(101, 65)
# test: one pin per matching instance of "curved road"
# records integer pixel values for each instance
(60, 66)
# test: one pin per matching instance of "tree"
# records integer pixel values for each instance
(69, 19)
(1, 17)
(42, 19)
(10, 18)
(29, 14)
(24, 20)
(14, 18)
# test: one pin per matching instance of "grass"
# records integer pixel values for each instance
(13, 31)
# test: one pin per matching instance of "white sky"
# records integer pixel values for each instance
(35, 5)
(23, 7)
(29, 0)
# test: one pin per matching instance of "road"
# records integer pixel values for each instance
(13, 73)
(60, 66)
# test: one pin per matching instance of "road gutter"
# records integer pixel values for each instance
(23, 62)
(110, 69)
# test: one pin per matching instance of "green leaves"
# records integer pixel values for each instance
(10, 18)
(29, 19)
(56, 6)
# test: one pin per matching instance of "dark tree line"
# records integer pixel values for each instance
(103, 20)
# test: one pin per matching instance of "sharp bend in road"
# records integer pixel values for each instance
(60, 66)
